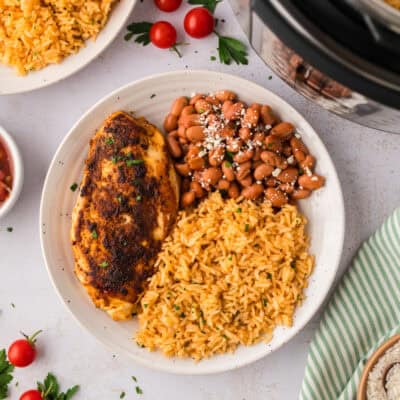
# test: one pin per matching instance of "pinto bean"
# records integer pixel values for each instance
(256, 163)
(170, 122)
(196, 97)
(267, 116)
(251, 117)
(243, 156)
(253, 191)
(299, 194)
(185, 185)
(227, 170)
(223, 95)
(308, 162)
(262, 171)
(281, 162)
(269, 158)
(256, 106)
(189, 120)
(197, 189)
(182, 132)
(183, 141)
(276, 197)
(243, 170)
(297, 144)
(283, 130)
(174, 147)
(311, 182)
(234, 111)
(287, 150)
(226, 106)
(286, 187)
(233, 191)
(299, 155)
(246, 181)
(211, 119)
(273, 143)
(174, 134)
(289, 175)
(212, 175)
(202, 106)
(272, 182)
(187, 199)
(223, 184)
(178, 105)
(259, 138)
(213, 100)
(227, 131)
(216, 156)
(182, 169)
(257, 154)
(187, 110)
(196, 163)
(195, 133)
(245, 134)
(233, 144)
(192, 152)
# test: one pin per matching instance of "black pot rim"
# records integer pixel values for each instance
(331, 66)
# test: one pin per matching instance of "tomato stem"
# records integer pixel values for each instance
(31, 339)
(175, 49)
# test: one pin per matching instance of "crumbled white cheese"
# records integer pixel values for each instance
(290, 160)
(276, 172)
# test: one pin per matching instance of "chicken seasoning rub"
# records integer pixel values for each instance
(127, 204)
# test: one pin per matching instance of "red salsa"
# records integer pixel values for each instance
(5, 174)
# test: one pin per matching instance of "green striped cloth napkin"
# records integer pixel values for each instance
(363, 312)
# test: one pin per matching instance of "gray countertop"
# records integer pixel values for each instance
(366, 160)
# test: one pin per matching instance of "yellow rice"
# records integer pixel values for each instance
(393, 3)
(228, 274)
(36, 33)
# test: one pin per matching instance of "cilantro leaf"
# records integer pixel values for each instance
(209, 4)
(50, 389)
(5, 374)
(140, 30)
(230, 49)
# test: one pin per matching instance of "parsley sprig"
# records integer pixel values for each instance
(141, 30)
(50, 389)
(230, 49)
(209, 4)
(6, 377)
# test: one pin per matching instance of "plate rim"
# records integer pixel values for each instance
(175, 369)
(46, 83)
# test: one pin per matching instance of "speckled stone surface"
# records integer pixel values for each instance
(366, 160)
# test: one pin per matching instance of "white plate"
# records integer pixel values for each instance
(324, 209)
(11, 83)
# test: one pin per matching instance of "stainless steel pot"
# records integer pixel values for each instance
(343, 55)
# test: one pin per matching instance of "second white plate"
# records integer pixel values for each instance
(11, 83)
(152, 97)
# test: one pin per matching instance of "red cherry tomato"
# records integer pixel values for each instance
(199, 22)
(22, 352)
(163, 34)
(168, 5)
(31, 395)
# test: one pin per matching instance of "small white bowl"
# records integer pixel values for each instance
(17, 171)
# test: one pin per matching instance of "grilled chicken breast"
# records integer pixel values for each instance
(127, 204)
